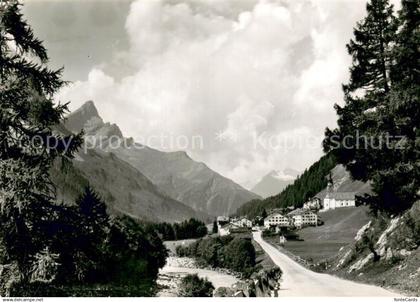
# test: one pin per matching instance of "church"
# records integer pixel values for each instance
(335, 200)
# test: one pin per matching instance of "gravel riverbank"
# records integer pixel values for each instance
(178, 267)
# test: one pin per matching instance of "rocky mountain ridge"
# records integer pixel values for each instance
(124, 189)
(174, 173)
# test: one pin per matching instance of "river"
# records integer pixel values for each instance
(177, 267)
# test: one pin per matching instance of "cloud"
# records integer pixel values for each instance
(230, 71)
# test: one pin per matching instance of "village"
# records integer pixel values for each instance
(281, 220)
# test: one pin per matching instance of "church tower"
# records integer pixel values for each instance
(328, 200)
(330, 186)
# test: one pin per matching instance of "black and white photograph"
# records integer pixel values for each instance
(178, 149)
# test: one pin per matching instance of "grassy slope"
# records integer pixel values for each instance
(323, 242)
(339, 225)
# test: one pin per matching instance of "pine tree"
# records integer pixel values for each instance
(406, 70)
(368, 88)
(92, 208)
(264, 214)
(28, 143)
(215, 227)
(371, 49)
(398, 182)
(377, 135)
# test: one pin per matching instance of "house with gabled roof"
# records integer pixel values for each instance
(303, 217)
(276, 219)
(335, 200)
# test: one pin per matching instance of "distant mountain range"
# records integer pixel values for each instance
(173, 177)
(274, 182)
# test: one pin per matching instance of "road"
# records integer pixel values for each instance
(299, 281)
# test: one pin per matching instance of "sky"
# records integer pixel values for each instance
(245, 86)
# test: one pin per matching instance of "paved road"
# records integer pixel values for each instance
(299, 281)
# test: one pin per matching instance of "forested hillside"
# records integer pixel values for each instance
(305, 186)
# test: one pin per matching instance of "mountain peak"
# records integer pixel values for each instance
(291, 171)
(286, 174)
(89, 107)
(88, 110)
(274, 182)
(77, 120)
(180, 154)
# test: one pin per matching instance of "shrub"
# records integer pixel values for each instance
(194, 286)
(240, 256)
(268, 233)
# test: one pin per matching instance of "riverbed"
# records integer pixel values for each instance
(178, 267)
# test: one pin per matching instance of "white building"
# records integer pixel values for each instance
(276, 220)
(222, 220)
(303, 217)
(224, 230)
(335, 200)
(246, 223)
(241, 222)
